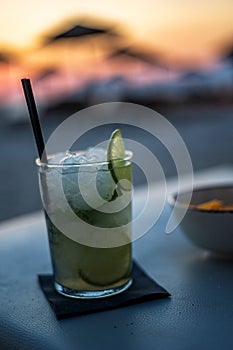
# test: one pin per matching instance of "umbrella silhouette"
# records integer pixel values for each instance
(229, 55)
(192, 75)
(139, 64)
(84, 35)
(80, 45)
(129, 53)
(5, 58)
(80, 31)
(46, 73)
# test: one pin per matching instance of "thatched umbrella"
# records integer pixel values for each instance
(229, 55)
(79, 31)
(130, 53)
(4, 58)
(80, 45)
(137, 62)
(46, 73)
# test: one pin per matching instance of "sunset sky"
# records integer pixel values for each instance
(186, 31)
(182, 27)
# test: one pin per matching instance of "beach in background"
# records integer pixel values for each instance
(176, 60)
(205, 129)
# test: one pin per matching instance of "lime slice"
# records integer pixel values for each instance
(116, 147)
(120, 168)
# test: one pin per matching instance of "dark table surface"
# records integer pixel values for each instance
(199, 314)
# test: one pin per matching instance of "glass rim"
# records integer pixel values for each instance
(128, 157)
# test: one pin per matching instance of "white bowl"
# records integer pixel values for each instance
(209, 229)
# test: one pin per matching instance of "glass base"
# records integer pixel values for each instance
(84, 294)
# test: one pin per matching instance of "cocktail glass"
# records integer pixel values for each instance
(88, 216)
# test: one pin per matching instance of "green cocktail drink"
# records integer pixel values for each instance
(87, 200)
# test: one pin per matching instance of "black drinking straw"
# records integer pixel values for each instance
(31, 104)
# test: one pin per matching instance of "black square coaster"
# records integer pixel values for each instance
(142, 289)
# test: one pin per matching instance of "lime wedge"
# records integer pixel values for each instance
(116, 147)
(119, 167)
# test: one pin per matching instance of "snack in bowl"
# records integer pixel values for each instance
(214, 204)
(208, 222)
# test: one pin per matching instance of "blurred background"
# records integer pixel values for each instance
(174, 56)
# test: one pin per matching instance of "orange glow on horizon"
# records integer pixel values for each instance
(182, 33)
(157, 24)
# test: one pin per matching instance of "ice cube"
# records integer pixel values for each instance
(92, 155)
(84, 187)
(56, 158)
(73, 158)
(96, 154)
